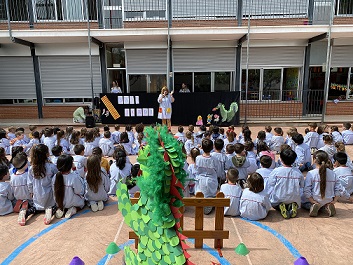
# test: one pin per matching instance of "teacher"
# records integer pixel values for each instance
(79, 115)
(165, 101)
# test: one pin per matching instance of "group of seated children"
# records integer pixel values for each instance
(62, 176)
(254, 181)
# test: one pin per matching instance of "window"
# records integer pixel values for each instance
(134, 14)
(156, 83)
(271, 84)
(202, 82)
(45, 9)
(73, 9)
(115, 56)
(222, 81)
(253, 84)
(138, 83)
(290, 83)
(350, 92)
(3, 12)
(345, 7)
(155, 14)
(338, 83)
(180, 78)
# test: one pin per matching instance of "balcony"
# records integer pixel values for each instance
(115, 14)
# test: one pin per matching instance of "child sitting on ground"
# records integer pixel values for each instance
(97, 184)
(19, 174)
(322, 130)
(3, 158)
(303, 153)
(347, 133)
(208, 170)
(189, 143)
(4, 142)
(343, 172)
(284, 184)
(195, 152)
(116, 134)
(131, 180)
(265, 169)
(277, 140)
(90, 143)
(56, 151)
(18, 140)
(264, 150)
(254, 202)
(329, 148)
(125, 141)
(6, 193)
(322, 187)
(104, 162)
(269, 135)
(61, 140)
(33, 142)
(340, 147)
(251, 157)
(233, 191)
(222, 158)
(80, 161)
(180, 135)
(336, 135)
(106, 144)
(289, 139)
(241, 163)
(312, 137)
(230, 151)
(261, 137)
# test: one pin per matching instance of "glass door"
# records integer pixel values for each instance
(272, 87)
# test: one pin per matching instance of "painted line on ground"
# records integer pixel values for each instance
(241, 240)
(281, 238)
(27, 243)
(115, 239)
(109, 257)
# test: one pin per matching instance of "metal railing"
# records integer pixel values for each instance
(125, 13)
(286, 103)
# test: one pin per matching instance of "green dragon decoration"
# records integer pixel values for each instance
(156, 216)
(227, 115)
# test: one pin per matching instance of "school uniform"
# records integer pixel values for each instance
(198, 138)
(311, 139)
(116, 136)
(349, 162)
(226, 142)
(241, 163)
(337, 137)
(101, 194)
(50, 143)
(19, 143)
(32, 142)
(208, 169)
(26, 139)
(19, 185)
(5, 143)
(284, 185)
(265, 173)
(128, 148)
(330, 150)
(11, 135)
(225, 163)
(6, 198)
(251, 157)
(291, 143)
(116, 174)
(303, 154)
(54, 159)
(89, 148)
(74, 190)
(42, 188)
(192, 176)
(180, 137)
(270, 154)
(230, 156)
(189, 144)
(276, 143)
(131, 136)
(80, 163)
(347, 136)
(234, 193)
(65, 145)
(254, 206)
(333, 187)
(268, 138)
(107, 147)
(345, 176)
(320, 142)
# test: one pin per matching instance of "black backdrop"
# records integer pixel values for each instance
(185, 109)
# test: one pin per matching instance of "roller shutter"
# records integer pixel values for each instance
(152, 61)
(273, 56)
(342, 56)
(69, 76)
(17, 78)
(204, 60)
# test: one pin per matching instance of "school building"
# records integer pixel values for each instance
(287, 58)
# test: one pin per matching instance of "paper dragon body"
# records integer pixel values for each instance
(227, 115)
(156, 216)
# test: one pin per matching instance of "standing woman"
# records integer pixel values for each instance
(165, 101)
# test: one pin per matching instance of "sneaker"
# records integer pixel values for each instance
(70, 212)
(94, 207)
(314, 210)
(293, 209)
(59, 213)
(284, 212)
(100, 205)
(207, 210)
(331, 210)
(22, 217)
(48, 215)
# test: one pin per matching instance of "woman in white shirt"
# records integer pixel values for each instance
(115, 88)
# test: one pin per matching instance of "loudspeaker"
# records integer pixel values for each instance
(90, 123)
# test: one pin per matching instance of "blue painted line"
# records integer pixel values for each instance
(281, 238)
(22, 247)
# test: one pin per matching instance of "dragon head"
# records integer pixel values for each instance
(217, 107)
